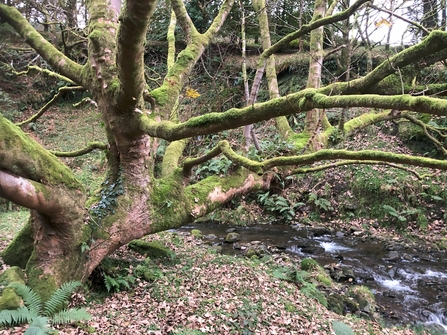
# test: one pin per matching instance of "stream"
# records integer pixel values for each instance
(409, 285)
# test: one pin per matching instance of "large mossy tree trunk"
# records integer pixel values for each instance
(62, 240)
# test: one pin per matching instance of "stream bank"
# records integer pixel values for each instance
(408, 280)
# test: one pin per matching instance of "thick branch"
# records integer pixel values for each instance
(294, 103)
(130, 54)
(29, 194)
(23, 156)
(433, 45)
(58, 61)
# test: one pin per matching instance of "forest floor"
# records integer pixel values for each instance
(199, 291)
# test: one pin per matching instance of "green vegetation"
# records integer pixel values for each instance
(42, 316)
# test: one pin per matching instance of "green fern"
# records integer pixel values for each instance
(38, 327)
(60, 297)
(341, 328)
(52, 314)
(17, 316)
(30, 298)
(70, 315)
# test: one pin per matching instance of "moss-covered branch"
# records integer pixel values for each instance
(22, 156)
(356, 162)
(76, 153)
(58, 61)
(293, 103)
(184, 20)
(362, 155)
(350, 157)
(219, 19)
(134, 21)
(432, 45)
(365, 120)
(172, 156)
(45, 71)
(307, 28)
(50, 103)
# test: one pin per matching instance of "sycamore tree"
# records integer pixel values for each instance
(69, 234)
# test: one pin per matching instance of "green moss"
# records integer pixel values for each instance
(309, 264)
(20, 249)
(161, 95)
(324, 279)
(300, 140)
(152, 249)
(23, 156)
(9, 298)
(197, 233)
(43, 284)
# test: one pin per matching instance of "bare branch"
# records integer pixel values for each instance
(50, 103)
(420, 26)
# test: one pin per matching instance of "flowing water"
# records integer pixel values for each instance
(410, 286)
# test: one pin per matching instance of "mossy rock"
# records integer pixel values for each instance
(152, 249)
(309, 264)
(340, 304)
(232, 237)
(197, 233)
(364, 297)
(9, 298)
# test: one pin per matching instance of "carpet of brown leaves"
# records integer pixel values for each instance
(213, 294)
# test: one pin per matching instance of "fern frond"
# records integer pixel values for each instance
(73, 314)
(38, 327)
(17, 316)
(30, 298)
(110, 283)
(59, 297)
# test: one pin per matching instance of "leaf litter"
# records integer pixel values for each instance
(203, 292)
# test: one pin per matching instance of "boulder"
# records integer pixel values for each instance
(152, 249)
(232, 237)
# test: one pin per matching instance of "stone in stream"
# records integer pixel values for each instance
(393, 256)
(232, 237)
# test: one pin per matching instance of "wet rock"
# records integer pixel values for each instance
(210, 237)
(393, 256)
(217, 249)
(230, 230)
(340, 274)
(320, 231)
(341, 304)
(232, 237)
(250, 253)
(339, 234)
